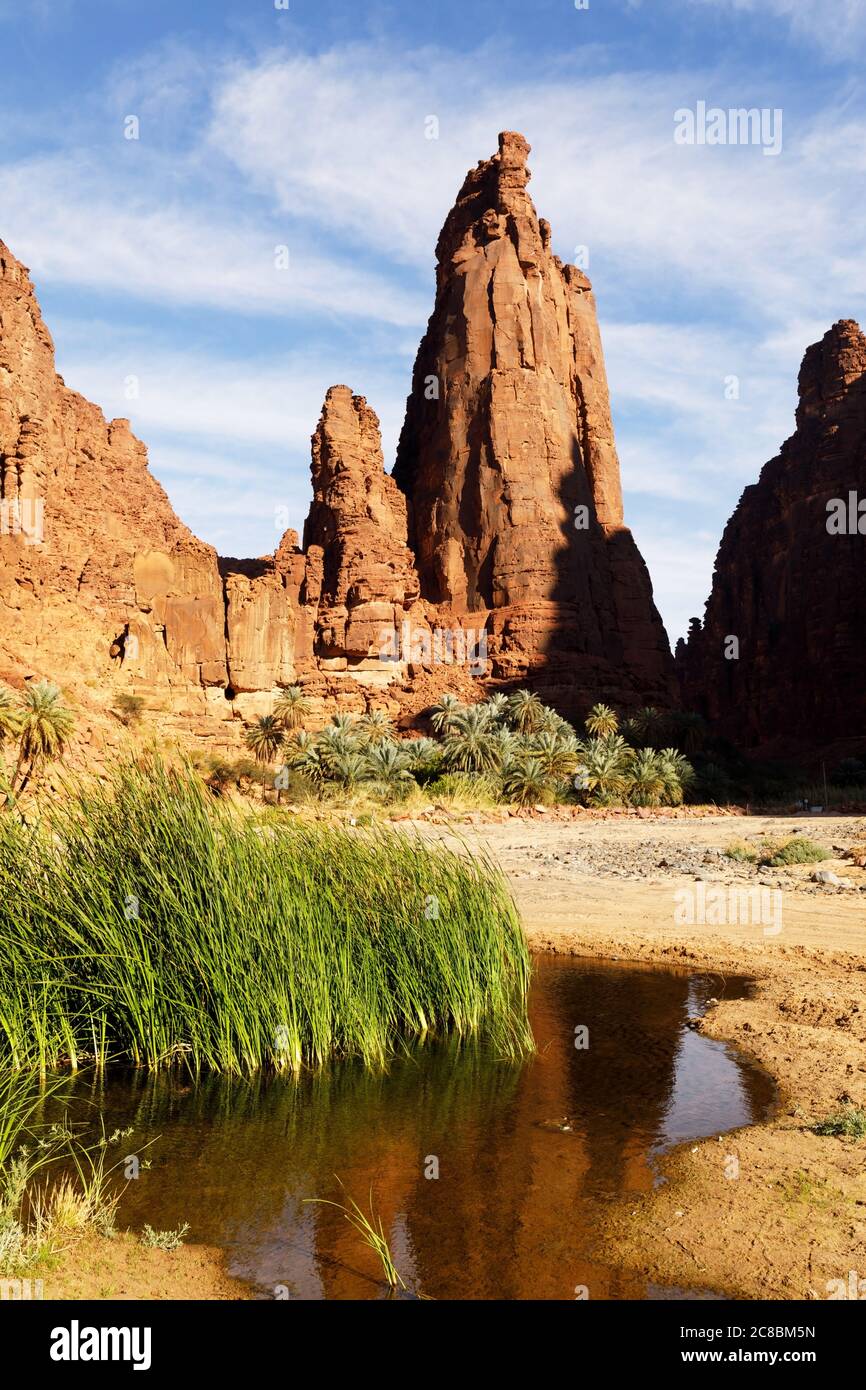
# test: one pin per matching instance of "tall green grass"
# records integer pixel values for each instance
(141, 919)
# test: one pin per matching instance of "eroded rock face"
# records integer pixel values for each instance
(508, 462)
(506, 490)
(267, 630)
(96, 571)
(790, 577)
(367, 585)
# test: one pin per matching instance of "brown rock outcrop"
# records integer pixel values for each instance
(779, 663)
(508, 461)
(96, 571)
(368, 585)
(267, 631)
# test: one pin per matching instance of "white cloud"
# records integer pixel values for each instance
(833, 25)
(228, 439)
(72, 228)
(680, 559)
(273, 403)
(339, 139)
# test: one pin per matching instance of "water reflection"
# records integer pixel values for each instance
(527, 1154)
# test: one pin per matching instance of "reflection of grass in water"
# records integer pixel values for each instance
(437, 1084)
(53, 1187)
(371, 1231)
(141, 918)
(294, 1132)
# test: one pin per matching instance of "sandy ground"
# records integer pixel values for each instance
(788, 1216)
(96, 1267)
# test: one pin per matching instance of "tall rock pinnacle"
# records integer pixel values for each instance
(788, 586)
(358, 521)
(507, 454)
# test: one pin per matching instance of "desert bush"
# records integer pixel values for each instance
(742, 852)
(130, 708)
(798, 850)
(848, 1122)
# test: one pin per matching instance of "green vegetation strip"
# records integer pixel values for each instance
(139, 918)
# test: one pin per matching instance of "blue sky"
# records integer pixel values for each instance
(305, 128)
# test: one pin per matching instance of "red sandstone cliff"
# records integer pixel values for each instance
(104, 589)
(790, 576)
(99, 571)
(508, 461)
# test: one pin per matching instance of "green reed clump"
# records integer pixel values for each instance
(142, 919)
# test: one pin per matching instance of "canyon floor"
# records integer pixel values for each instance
(794, 1219)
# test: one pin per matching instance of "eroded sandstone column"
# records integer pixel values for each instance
(507, 455)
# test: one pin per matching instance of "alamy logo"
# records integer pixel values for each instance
(77, 1343)
(852, 1287)
(23, 517)
(444, 646)
(720, 907)
(13, 1290)
(713, 125)
(846, 516)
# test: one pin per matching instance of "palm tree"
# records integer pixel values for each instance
(265, 739)
(604, 764)
(646, 778)
(677, 775)
(508, 742)
(689, 731)
(337, 741)
(376, 726)
(10, 714)
(649, 725)
(526, 781)
(350, 768)
(558, 756)
(553, 723)
(426, 757)
(471, 744)
(602, 721)
(345, 723)
(10, 727)
(291, 706)
(443, 712)
(525, 710)
(302, 755)
(45, 726)
(498, 706)
(390, 765)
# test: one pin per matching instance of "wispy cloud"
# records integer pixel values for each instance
(228, 437)
(73, 228)
(606, 170)
(834, 26)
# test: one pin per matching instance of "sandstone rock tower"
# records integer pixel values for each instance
(790, 576)
(508, 462)
(356, 532)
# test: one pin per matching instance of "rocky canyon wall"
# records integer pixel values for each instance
(778, 663)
